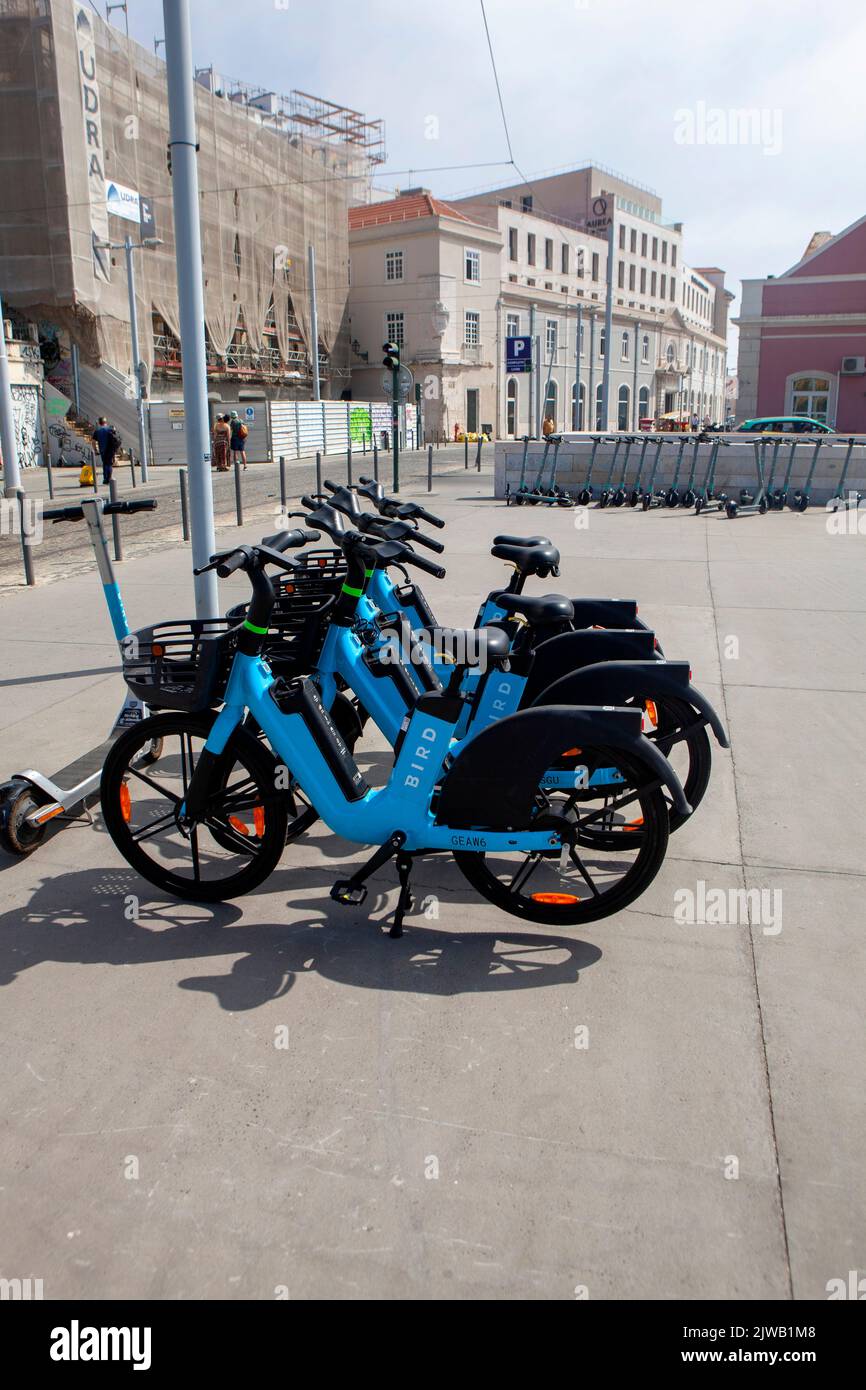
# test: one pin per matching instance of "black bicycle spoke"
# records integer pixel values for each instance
(156, 827)
(583, 871)
(625, 800)
(154, 786)
(524, 873)
(243, 843)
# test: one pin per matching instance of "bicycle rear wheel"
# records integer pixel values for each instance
(242, 834)
(618, 836)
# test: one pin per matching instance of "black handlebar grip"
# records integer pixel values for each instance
(332, 487)
(127, 508)
(427, 541)
(427, 565)
(429, 517)
(231, 564)
(63, 514)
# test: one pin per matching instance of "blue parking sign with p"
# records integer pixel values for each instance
(518, 354)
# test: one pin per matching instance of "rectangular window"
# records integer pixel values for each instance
(644, 352)
(393, 265)
(565, 258)
(631, 277)
(512, 325)
(673, 287)
(643, 242)
(620, 275)
(663, 286)
(664, 253)
(624, 349)
(580, 260)
(512, 243)
(655, 248)
(552, 337)
(643, 279)
(526, 203)
(601, 344)
(673, 253)
(633, 241)
(595, 265)
(653, 283)
(622, 236)
(472, 264)
(472, 330)
(530, 248)
(394, 327)
(548, 254)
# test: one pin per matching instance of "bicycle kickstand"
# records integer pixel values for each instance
(351, 892)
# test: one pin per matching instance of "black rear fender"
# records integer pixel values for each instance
(494, 780)
(614, 682)
(571, 651)
(605, 612)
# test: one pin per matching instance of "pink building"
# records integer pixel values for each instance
(803, 336)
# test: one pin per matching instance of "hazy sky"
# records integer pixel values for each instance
(632, 84)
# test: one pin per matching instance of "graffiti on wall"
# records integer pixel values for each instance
(25, 419)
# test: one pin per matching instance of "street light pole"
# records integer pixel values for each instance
(11, 469)
(187, 236)
(136, 365)
(608, 323)
(314, 322)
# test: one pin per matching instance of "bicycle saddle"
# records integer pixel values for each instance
(534, 559)
(522, 540)
(539, 611)
(472, 646)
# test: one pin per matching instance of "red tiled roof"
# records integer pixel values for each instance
(406, 209)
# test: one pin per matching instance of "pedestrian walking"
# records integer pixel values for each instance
(108, 443)
(549, 426)
(238, 437)
(221, 439)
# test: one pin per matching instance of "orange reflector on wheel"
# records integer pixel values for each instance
(572, 753)
(650, 707)
(259, 820)
(125, 803)
(555, 899)
(237, 824)
(158, 649)
(634, 824)
(289, 589)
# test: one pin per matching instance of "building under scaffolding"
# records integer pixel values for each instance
(84, 132)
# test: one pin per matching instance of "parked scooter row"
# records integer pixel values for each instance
(551, 755)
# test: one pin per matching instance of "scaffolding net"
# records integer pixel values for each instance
(84, 133)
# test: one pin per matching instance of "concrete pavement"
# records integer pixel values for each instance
(272, 1096)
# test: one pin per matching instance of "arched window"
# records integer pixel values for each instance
(643, 402)
(811, 394)
(644, 352)
(624, 349)
(511, 407)
(599, 402)
(550, 402)
(578, 406)
(622, 422)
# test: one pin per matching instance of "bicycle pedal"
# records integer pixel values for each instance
(349, 894)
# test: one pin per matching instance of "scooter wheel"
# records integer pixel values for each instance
(618, 498)
(699, 505)
(646, 501)
(688, 498)
(17, 836)
(584, 497)
(731, 510)
(673, 498)
(801, 504)
(763, 507)
(604, 499)
(634, 498)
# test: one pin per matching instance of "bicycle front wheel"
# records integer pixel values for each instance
(242, 834)
(618, 836)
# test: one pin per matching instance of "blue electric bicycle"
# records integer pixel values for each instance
(209, 820)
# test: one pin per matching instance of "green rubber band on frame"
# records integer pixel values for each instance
(262, 631)
(355, 593)
(368, 574)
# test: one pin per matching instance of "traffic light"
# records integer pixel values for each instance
(392, 356)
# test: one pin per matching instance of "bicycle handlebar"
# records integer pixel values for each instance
(76, 513)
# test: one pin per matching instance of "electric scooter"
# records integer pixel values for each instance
(751, 503)
(688, 497)
(634, 495)
(555, 496)
(801, 497)
(606, 494)
(672, 497)
(30, 801)
(619, 496)
(518, 497)
(839, 501)
(651, 498)
(586, 493)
